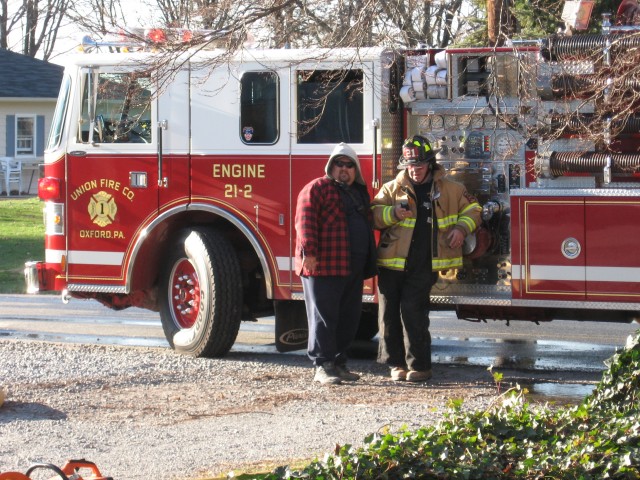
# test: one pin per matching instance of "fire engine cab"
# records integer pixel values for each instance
(171, 184)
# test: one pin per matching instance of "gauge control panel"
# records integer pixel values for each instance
(472, 138)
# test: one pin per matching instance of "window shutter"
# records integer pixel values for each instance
(11, 136)
(40, 135)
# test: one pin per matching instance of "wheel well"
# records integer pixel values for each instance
(159, 240)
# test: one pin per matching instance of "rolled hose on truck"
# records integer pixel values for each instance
(71, 470)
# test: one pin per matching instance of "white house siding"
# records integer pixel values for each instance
(27, 106)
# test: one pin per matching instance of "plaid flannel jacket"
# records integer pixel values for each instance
(321, 227)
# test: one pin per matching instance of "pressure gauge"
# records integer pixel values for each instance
(437, 122)
(490, 121)
(476, 121)
(450, 122)
(505, 145)
(424, 123)
(464, 121)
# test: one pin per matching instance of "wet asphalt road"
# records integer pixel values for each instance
(558, 345)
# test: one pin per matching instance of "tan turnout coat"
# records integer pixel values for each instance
(454, 207)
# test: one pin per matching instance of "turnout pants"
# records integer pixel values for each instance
(403, 301)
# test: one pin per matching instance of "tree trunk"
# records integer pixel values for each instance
(494, 8)
(499, 21)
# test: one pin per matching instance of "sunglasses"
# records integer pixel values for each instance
(340, 163)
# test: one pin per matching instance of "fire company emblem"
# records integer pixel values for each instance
(102, 209)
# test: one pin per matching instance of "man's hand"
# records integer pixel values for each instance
(455, 238)
(401, 213)
(309, 264)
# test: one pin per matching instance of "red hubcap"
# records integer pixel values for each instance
(185, 294)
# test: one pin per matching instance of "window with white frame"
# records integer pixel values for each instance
(25, 135)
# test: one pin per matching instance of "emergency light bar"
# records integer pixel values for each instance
(144, 39)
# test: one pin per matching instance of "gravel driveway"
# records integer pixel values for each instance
(142, 413)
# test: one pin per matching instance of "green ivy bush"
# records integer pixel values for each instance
(597, 439)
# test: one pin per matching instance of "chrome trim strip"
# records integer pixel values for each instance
(495, 301)
(468, 300)
(76, 287)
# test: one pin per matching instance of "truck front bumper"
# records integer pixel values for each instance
(33, 276)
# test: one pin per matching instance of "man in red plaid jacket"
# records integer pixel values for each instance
(335, 252)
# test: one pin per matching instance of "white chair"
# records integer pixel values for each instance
(12, 173)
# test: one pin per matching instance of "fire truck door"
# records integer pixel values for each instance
(334, 103)
(112, 175)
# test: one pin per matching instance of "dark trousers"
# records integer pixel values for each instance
(403, 302)
(334, 306)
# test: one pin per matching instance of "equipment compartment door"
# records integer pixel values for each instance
(613, 262)
(553, 248)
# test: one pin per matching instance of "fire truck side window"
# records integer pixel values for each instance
(330, 106)
(259, 107)
(122, 109)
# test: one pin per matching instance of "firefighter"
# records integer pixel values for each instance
(335, 252)
(424, 218)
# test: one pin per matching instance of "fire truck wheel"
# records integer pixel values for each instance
(201, 294)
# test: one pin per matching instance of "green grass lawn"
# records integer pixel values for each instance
(21, 239)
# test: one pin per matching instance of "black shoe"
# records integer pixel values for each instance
(345, 374)
(327, 374)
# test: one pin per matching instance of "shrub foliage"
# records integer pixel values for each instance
(597, 439)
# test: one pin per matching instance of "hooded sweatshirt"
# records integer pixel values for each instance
(342, 149)
(321, 223)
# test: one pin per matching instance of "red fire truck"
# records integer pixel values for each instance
(172, 186)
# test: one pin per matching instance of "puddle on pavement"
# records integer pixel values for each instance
(518, 354)
(556, 393)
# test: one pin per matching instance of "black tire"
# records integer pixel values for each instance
(201, 294)
(368, 327)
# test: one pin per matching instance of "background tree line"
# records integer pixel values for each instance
(32, 27)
